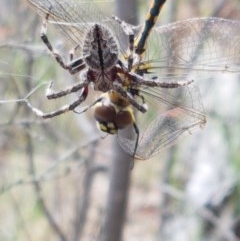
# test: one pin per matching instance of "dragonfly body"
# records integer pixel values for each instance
(150, 21)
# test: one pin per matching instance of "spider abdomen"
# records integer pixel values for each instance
(100, 49)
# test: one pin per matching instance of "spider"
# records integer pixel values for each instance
(100, 65)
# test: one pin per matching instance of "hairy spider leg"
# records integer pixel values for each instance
(136, 79)
(72, 52)
(129, 97)
(166, 85)
(52, 94)
(63, 109)
(128, 29)
(75, 65)
(89, 106)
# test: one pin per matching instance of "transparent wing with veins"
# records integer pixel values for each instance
(171, 114)
(75, 17)
(200, 45)
(190, 49)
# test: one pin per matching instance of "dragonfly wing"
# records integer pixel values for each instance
(74, 18)
(192, 49)
(195, 45)
(171, 114)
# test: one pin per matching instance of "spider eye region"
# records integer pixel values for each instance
(100, 48)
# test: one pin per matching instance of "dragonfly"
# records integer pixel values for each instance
(146, 73)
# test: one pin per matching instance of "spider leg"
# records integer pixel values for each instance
(45, 40)
(75, 65)
(89, 106)
(126, 94)
(131, 46)
(139, 80)
(63, 109)
(128, 29)
(122, 66)
(135, 92)
(51, 94)
(167, 85)
(72, 52)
